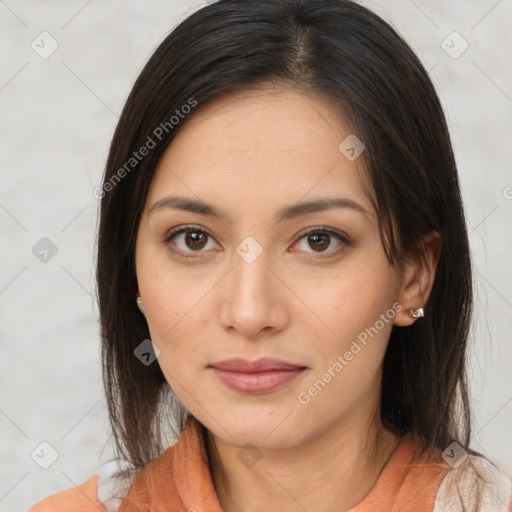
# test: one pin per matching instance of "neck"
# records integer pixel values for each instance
(331, 472)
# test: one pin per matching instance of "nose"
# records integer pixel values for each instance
(254, 301)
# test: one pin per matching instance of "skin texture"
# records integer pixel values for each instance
(251, 154)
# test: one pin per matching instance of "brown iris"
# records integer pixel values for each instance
(195, 239)
(320, 241)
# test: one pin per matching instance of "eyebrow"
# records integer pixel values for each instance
(286, 213)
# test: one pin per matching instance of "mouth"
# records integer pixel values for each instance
(253, 377)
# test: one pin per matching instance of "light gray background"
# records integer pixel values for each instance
(58, 116)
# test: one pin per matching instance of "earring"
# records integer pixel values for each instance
(139, 302)
(416, 313)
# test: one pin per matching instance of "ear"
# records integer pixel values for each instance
(418, 277)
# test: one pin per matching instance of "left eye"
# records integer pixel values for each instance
(320, 241)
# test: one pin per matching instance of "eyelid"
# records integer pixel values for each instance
(184, 228)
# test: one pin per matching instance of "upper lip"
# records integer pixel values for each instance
(238, 364)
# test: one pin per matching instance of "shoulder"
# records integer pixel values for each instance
(103, 492)
(82, 498)
(475, 485)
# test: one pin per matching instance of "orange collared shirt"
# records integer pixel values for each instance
(180, 481)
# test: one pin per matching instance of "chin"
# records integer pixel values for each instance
(267, 428)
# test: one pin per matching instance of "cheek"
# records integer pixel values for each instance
(351, 300)
(348, 362)
(176, 302)
(177, 323)
(357, 318)
(172, 312)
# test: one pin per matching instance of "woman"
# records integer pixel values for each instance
(284, 272)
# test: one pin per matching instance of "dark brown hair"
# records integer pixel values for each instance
(340, 51)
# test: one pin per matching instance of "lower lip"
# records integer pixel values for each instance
(260, 382)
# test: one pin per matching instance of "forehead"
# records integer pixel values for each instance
(272, 145)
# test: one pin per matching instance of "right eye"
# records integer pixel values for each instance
(189, 240)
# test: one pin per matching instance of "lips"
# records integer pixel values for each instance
(261, 376)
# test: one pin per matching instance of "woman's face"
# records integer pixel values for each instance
(247, 279)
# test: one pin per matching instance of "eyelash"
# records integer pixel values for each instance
(322, 230)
